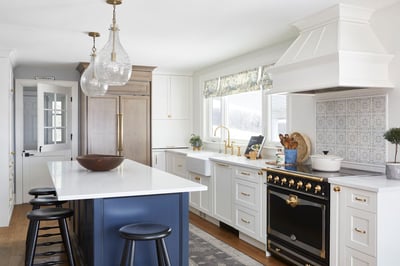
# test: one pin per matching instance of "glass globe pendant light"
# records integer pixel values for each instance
(90, 84)
(113, 65)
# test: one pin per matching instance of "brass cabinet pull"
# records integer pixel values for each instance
(360, 199)
(260, 172)
(179, 165)
(222, 164)
(245, 194)
(360, 231)
(245, 221)
(197, 178)
(336, 189)
(244, 173)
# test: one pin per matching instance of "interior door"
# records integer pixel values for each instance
(45, 115)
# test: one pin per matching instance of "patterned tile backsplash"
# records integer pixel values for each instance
(352, 128)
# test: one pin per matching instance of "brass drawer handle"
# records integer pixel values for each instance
(221, 164)
(245, 221)
(360, 231)
(336, 189)
(360, 199)
(197, 178)
(244, 173)
(245, 194)
(179, 165)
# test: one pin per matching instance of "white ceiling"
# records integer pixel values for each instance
(174, 35)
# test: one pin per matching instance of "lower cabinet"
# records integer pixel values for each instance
(158, 159)
(201, 200)
(176, 163)
(364, 226)
(223, 193)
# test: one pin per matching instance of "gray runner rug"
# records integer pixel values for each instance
(205, 249)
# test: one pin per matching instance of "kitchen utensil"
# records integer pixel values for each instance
(303, 146)
(326, 163)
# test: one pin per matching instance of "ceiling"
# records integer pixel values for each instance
(174, 35)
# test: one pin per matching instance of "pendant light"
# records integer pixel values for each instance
(113, 65)
(90, 84)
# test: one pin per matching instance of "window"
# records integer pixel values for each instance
(241, 113)
(237, 101)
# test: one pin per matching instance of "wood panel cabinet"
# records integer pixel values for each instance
(120, 121)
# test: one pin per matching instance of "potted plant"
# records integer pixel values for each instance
(196, 142)
(393, 168)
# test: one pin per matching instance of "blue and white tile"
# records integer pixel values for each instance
(352, 139)
(340, 122)
(331, 137)
(364, 155)
(378, 157)
(321, 108)
(378, 121)
(352, 106)
(364, 121)
(330, 122)
(341, 151)
(379, 104)
(321, 137)
(330, 107)
(352, 154)
(341, 137)
(365, 139)
(378, 142)
(364, 105)
(320, 122)
(340, 106)
(351, 122)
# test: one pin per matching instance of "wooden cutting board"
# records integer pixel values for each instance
(303, 148)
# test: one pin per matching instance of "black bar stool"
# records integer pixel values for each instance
(143, 232)
(48, 214)
(42, 191)
(38, 202)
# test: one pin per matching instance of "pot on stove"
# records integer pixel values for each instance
(325, 162)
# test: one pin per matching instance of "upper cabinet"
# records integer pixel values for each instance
(171, 95)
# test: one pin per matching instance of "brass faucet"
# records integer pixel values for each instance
(229, 144)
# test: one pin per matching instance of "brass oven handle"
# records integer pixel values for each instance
(360, 231)
(292, 201)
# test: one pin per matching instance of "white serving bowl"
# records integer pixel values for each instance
(326, 163)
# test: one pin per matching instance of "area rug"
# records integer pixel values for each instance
(205, 249)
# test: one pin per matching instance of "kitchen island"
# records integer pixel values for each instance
(131, 193)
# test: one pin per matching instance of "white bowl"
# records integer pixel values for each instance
(326, 163)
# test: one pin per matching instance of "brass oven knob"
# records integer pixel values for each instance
(283, 181)
(299, 184)
(276, 179)
(269, 178)
(291, 182)
(308, 186)
(317, 189)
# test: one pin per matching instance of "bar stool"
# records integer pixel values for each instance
(144, 232)
(38, 202)
(42, 191)
(48, 214)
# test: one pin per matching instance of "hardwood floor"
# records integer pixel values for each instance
(232, 240)
(12, 239)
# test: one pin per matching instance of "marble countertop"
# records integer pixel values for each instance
(370, 183)
(73, 182)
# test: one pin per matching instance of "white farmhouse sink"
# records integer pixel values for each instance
(199, 163)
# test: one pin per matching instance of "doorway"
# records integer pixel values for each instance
(46, 129)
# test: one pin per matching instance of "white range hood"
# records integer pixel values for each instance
(336, 49)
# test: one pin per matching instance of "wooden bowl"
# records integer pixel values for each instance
(100, 162)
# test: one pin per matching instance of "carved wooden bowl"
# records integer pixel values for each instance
(100, 162)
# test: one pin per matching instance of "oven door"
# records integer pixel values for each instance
(298, 220)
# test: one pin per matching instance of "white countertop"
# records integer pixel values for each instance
(370, 183)
(73, 182)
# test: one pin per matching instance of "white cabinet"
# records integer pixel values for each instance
(176, 164)
(171, 98)
(364, 226)
(222, 192)
(248, 202)
(201, 200)
(171, 95)
(158, 159)
(6, 140)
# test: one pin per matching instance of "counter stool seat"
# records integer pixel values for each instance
(42, 191)
(144, 232)
(46, 201)
(48, 214)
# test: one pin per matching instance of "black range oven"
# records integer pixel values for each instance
(298, 217)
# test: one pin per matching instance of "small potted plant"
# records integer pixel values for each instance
(196, 142)
(393, 168)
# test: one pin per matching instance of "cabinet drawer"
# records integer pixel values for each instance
(247, 174)
(247, 221)
(356, 258)
(361, 199)
(179, 166)
(247, 193)
(360, 233)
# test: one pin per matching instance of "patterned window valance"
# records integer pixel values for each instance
(250, 80)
